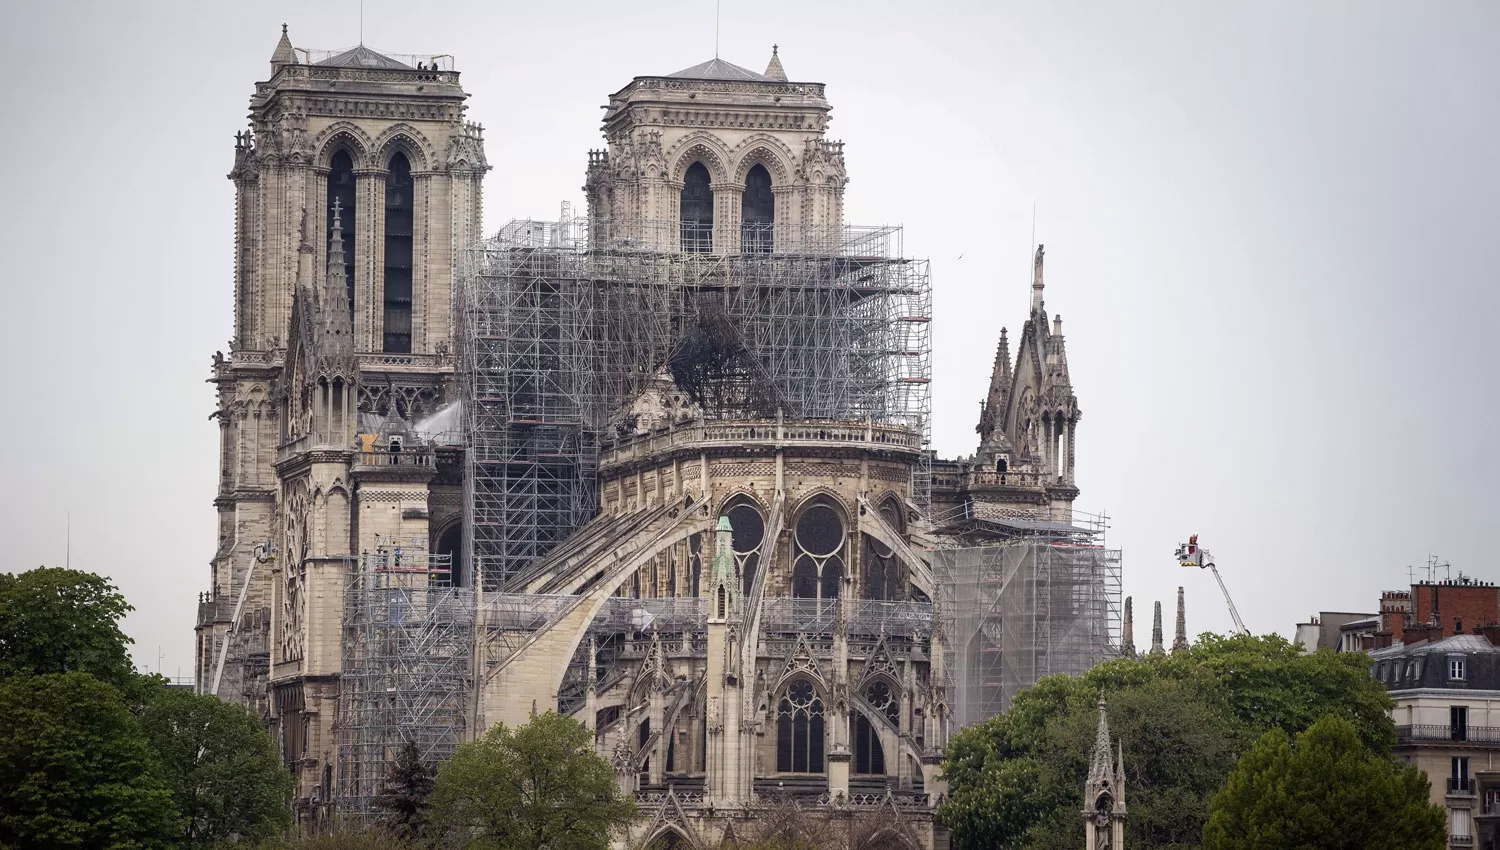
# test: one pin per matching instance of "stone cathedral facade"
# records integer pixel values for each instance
(810, 667)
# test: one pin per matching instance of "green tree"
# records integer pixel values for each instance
(1329, 791)
(404, 798)
(76, 770)
(54, 620)
(1273, 685)
(539, 785)
(226, 777)
(1016, 780)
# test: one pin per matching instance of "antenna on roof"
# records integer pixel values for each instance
(717, 3)
(361, 23)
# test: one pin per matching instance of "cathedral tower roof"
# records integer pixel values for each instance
(718, 69)
(283, 54)
(774, 69)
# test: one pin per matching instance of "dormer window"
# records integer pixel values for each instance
(1456, 668)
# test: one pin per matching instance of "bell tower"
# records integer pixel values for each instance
(357, 188)
(718, 159)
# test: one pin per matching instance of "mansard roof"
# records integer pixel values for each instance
(364, 57)
(718, 69)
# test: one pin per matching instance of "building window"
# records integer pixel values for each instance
(398, 255)
(883, 578)
(757, 212)
(450, 546)
(819, 545)
(749, 530)
(1458, 722)
(869, 756)
(697, 211)
(1458, 780)
(1456, 668)
(799, 730)
(341, 189)
(1459, 824)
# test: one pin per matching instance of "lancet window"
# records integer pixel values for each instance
(883, 577)
(697, 211)
(757, 212)
(341, 189)
(398, 255)
(799, 729)
(869, 754)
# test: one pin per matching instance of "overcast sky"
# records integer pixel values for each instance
(1272, 230)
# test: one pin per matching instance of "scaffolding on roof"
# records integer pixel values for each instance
(563, 324)
(1016, 611)
(407, 673)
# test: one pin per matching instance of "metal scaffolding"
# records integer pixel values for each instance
(563, 324)
(1017, 611)
(407, 656)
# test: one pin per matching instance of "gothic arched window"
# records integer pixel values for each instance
(697, 211)
(819, 557)
(398, 255)
(450, 544)
(749, 530)
(757, 212)
(799, 730)
(341, 189)
(883, 576)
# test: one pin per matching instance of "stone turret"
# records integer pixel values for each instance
(1180, 641)
(1104, 792)
(1156, 646)
(1127, 636)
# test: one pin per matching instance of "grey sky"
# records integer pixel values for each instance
(1272, 230)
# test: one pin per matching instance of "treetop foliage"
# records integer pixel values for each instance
(55, 620)
(1328, 791)
(538, 785)
(1016, 781)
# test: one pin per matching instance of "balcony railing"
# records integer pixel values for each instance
(990, 478)
(1461, 785)
(731, 433)
(1436, 733)
(402, 458)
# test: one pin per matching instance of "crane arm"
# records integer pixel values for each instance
(1239, 624)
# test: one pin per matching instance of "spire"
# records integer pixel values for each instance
(993, 412)
(305, 253)
(1180, 641)
(283, 54)
(1101, 771)
(1156, 647)
(724, 587)
(1127, 637)
(336, 286)
(1036, 280)
(774, 70)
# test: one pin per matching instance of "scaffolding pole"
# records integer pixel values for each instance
(1017, 611)
(563, 324)
(407, 654)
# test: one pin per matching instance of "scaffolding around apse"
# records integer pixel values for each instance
(563, 324)
(1016, 611)
(407, 675)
